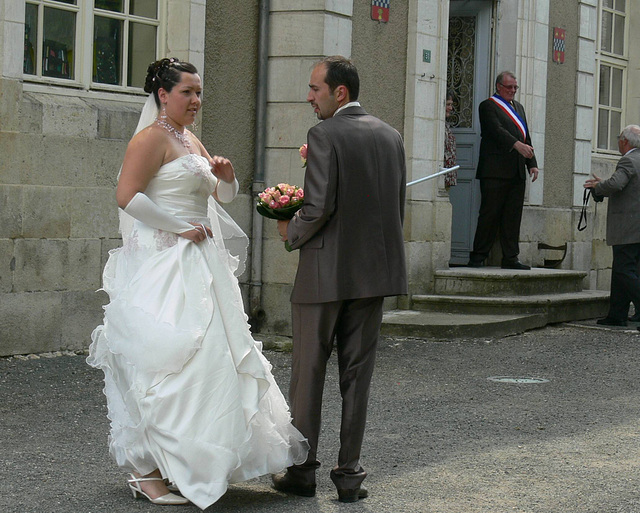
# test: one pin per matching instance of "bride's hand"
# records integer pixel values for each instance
(198, 234)
(222, 168)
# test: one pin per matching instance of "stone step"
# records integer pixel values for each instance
(567, 306)
(497, 282)
(439, 325)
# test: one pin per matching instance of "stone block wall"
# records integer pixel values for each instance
(61, 155)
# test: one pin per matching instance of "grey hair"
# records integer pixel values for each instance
(501, 76)
(631, 134)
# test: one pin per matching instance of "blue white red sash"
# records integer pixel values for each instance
(511, 112)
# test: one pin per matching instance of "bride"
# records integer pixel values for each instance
(191, 399)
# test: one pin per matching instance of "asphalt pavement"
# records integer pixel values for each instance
(543, 422)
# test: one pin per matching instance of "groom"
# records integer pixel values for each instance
(349, 233)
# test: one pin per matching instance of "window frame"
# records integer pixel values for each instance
(612, 60)
(83, 72)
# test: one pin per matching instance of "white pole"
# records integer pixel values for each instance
(441, 172)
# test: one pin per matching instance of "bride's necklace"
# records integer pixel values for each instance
(182, 137)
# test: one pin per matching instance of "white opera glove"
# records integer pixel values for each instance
(143, 209)
(227, 191)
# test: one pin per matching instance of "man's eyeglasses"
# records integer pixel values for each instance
(511, 87)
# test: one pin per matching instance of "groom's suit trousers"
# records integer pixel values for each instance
(354, 326)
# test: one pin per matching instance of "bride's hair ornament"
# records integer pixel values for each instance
(165, 74)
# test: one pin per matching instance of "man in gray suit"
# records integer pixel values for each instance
(623, 225)
(349, 233)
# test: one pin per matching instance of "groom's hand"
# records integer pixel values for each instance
(282, 230)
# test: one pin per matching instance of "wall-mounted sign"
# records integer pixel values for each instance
(558, 45)
(380, 10)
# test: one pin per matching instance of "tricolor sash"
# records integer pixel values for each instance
(508, 109)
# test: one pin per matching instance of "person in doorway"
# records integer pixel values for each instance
(505, 155)
(623, 226)
(350, 236)
(450, 178)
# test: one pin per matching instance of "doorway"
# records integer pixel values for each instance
(468, 76)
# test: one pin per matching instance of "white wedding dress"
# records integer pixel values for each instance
(188, 389)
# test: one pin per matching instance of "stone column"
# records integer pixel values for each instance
(428, 215)
(301, 33)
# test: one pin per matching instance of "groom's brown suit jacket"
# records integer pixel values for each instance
(349, 230)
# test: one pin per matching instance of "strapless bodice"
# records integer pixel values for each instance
(182, 187)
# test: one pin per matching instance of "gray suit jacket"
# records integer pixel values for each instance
(349, 230)
(623, 191)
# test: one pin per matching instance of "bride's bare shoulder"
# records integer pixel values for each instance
(150, 137)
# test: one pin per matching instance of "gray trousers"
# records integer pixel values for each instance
(354, 325)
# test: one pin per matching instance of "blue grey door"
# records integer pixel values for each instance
(468, 75)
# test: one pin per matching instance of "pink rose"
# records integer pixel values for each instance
(303, 151)
(299, 194)
(284, 200)
(273, 204)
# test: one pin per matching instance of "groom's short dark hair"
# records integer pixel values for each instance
(341, 71)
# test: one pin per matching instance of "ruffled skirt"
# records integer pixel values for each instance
(188, 390)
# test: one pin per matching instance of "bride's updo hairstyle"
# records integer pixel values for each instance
(165, 74)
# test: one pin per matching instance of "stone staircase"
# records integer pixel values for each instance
(494, 302)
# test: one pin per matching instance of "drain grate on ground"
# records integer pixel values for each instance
(513, 379)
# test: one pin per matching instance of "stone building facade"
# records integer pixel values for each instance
(62, 140)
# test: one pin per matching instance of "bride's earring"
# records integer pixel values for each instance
(163, 113)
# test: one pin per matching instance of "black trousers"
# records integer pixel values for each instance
(625, 282)
(500, 210)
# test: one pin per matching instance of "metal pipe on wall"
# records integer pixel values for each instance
(256, 313)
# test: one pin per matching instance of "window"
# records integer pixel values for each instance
(91, 43)
(611, 61)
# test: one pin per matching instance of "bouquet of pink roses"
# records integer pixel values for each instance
(280, 202)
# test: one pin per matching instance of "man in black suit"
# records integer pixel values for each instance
(505, 154)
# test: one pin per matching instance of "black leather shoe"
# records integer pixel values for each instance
(353, 495)
(519, 266)
(474, 263)
(635, 318)
(607, 321)
(287, 484)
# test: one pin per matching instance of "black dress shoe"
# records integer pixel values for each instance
(287, 484)
(635, 318)
(519, 266)
(353, 495)
(608, 321)
(474, 263)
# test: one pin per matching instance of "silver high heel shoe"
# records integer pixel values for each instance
(168, 499)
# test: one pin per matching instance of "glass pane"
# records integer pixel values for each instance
(107, 51)
(71, 2)
(605, 85)
(618, 35)
(620, 5)
(110, 5)
(603, 125)
(142, 51)
(30, 38)
(607, 3)
(146, 8)
(616, 87)
(615, 130)
(58, 43)
(606, 28)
